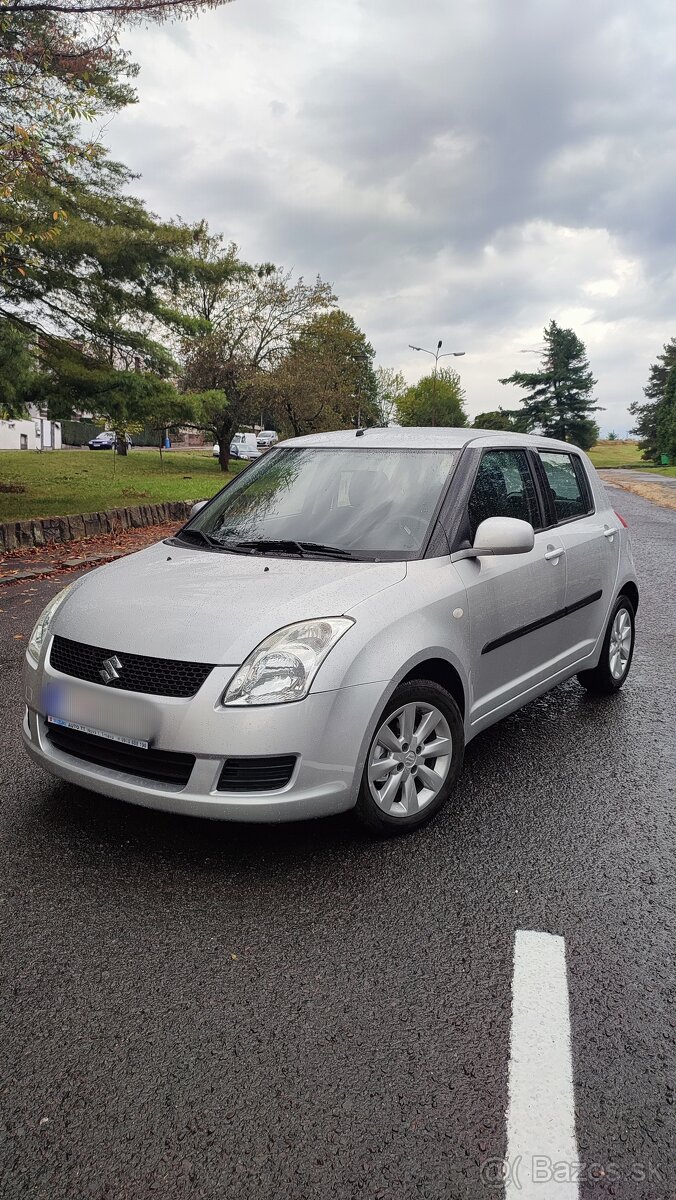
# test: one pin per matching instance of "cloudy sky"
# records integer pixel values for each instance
(457, 171)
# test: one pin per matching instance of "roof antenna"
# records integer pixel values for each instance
(359, 432)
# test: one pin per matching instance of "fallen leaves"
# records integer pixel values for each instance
(53, 557)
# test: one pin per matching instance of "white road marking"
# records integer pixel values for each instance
(541, 1142)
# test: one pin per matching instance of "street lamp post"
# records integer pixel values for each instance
(436, 355)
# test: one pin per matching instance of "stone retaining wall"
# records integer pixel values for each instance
(46, 530)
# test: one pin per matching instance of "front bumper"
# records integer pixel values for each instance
(328, 732)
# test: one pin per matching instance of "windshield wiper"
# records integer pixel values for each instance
(329, 551)
(196, 533)
(271, 545)
(212, 542)
(289, 546)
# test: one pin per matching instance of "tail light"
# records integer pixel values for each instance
(620, 518)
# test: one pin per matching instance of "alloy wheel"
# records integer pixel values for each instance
(410, 759)
(620, 643)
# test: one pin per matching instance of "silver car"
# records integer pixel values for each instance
(332, 629)
(266, 439)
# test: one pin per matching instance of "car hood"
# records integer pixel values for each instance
(176, 602)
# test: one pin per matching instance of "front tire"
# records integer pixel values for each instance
(413, 761)
(617, 653)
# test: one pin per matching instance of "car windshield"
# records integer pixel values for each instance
(363, 503)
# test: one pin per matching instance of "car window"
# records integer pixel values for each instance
(504, 487)
(568, 495)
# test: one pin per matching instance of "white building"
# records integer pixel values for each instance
(35, 434)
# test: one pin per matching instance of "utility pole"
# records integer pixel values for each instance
(436, 355)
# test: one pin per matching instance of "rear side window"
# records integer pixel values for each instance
(566, 485)
(504, 487)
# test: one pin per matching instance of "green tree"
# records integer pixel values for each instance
(166, 411)
(83, 267)
(612, 436)
(61, 73)
(559, 397)
(651, 420)
(258, 318)
(202, 289)
(436, 400)
(56, 76)
(127, 401)
(325, 380)
(504, 419)
(391, 387)
(666, 418)
(17, 371)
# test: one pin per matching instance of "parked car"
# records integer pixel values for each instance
(243, 445)
(334, 626)
(106, 440)
(266, 439)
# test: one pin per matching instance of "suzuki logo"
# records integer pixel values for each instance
(110, 670)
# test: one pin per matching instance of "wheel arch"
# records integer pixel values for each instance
(440, 671)
(430, 665)
(630, 590)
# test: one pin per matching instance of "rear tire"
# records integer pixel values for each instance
(616, 654)
(413, 761)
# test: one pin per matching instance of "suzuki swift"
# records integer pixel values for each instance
(331, 629)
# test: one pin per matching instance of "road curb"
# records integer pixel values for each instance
(46, 531)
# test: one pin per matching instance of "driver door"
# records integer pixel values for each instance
(513, 600)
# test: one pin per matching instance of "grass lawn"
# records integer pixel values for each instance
(616, 454)
(624, 454)
(62, 482)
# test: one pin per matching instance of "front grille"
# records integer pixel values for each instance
(256, 774)
(164, 766)
(137, 672)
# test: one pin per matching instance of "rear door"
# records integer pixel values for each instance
(591, 540)
(513, 600)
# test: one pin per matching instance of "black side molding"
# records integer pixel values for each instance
(540, 624)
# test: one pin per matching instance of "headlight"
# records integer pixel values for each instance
(283, 666)
(42, 625)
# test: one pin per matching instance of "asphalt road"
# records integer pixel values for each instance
(222, 1012)
(642, 476)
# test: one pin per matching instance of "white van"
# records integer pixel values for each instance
(243, 445)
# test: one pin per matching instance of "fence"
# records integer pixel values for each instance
(78, 433)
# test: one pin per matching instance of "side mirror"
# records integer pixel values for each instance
(197, 507)
(500, 535)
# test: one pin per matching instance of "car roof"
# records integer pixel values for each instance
(397, 437)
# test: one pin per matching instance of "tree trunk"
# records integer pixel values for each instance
(121, 444)
(295, 423)
(224, 439)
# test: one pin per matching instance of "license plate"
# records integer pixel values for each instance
(111, 737)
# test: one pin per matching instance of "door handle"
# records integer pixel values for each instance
(609, 533)
(555, 552)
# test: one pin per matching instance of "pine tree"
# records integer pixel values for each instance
(651, 417)
(87, 274)
(666, 418)
(559, 397)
